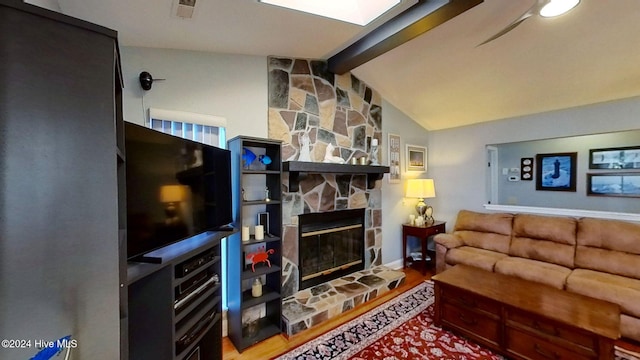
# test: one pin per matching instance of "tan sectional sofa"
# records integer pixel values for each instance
(594, 257)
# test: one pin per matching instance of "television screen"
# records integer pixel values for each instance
(176, 188)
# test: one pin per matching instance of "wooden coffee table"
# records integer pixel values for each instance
(523, 319)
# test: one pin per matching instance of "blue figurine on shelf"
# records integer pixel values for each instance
(264, 159)
(247, 157)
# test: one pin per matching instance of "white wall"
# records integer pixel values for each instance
(395, 208)
(235, 87)
(47, 4)
(524, 192)
(457, 157)
(231, 86)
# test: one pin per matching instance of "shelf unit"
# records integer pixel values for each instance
(253, 319)
(175, 307)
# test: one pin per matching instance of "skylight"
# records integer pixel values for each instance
(359, 12)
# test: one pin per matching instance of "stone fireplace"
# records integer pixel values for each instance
(310, 105)
(330, 245)
(305, 99)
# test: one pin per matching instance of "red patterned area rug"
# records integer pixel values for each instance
(401, 328)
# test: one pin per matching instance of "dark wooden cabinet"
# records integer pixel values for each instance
(522, 319)
(258, 194)
(60, 227)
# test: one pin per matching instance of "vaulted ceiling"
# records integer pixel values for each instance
(442, 78)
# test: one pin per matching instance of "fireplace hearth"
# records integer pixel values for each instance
(331, 245)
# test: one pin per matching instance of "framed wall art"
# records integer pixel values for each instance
(615, 158)
(416, 158)
(556, 172)
(395, 172)
(614, 184)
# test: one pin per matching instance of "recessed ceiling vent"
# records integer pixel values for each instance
(183, 9)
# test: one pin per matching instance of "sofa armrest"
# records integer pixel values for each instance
(449, 241)
(444, 242)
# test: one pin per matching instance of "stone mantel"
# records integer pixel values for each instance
(298, 169)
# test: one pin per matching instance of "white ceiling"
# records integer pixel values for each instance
(440, 79)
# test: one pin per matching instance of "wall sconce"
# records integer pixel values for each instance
(422, 189)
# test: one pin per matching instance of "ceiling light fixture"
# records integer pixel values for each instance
(359, 12)
(544, 8)
(557, 7)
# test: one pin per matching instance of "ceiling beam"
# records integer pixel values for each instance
(415, 21)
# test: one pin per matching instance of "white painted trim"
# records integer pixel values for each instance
(225, 323)
(564, 212)
(395, 265)
(492, 174)
(188, 117)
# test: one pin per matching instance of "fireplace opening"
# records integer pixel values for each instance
(331, 245)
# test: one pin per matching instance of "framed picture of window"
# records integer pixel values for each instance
(614, 184)
(556, 172)
(395, 172)
(615, 158)
(416, 158)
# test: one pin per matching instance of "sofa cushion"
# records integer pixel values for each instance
(534, 270)
(486, 231)
(545, 238)
(480, 258)
(610, 246)
(613, 288)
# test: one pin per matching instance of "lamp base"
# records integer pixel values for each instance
(421, 207)
(425, 211)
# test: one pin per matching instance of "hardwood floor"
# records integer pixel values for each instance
(277, 345)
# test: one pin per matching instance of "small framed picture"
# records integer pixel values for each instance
(556, 172)
(615, 158)
(416, 158)
(614, 184)
(263, 219)
(526, 169)
(395, 172)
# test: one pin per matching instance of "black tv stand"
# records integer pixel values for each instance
(147, 259)
(160, 329)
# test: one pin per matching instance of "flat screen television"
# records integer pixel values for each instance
(175, 189)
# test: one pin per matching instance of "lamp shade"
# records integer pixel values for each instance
(171, 193)
(420, 188)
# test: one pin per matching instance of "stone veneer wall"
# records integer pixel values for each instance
(304, 97)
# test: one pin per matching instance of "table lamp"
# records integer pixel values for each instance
(422, 189)
(171, 195)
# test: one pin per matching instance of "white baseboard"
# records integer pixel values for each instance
(395, 265)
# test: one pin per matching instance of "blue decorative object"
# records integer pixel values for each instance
(52, 349)
(264, 159)
(247, 157)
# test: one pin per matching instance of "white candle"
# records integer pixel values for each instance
(256, 288)
(259, 230)
(245, 233)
